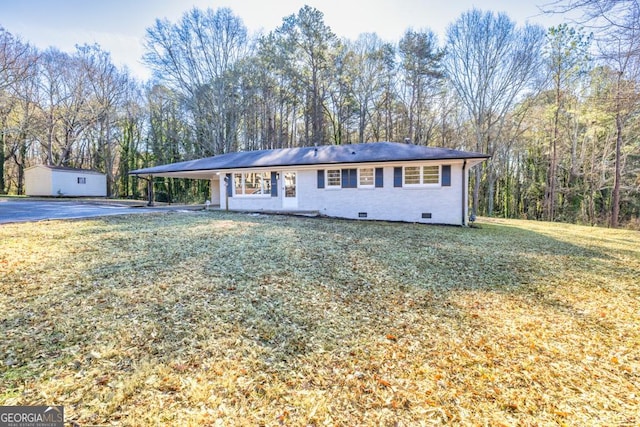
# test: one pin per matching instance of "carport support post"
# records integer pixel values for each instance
(226, 193)
(150, 191)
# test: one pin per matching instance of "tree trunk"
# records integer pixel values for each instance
(551, 179)
(50, 137)
(491, 183)
(2, 158)
(150, 191)
(475, 198)
(20, 179)
(615, 197)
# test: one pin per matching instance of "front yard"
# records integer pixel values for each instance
(214, 318)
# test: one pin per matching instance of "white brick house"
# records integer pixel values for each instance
(374, 181)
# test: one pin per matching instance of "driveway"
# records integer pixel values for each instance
(24, 210)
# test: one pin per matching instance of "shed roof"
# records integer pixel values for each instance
(306, 156)
(67, 169)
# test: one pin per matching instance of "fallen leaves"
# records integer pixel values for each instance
(228, 319)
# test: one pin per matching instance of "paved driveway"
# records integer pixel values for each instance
(22, 210)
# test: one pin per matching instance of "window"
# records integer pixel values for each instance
(431, 174)
(365, 178)
(333, 178)
(412, 175)
(422, 175)
(82, 180)
(252, 183)
(237, 184)
(349, 178)
(257, 183)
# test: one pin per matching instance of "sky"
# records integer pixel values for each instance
(119, 26)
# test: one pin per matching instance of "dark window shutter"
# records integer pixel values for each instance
(274, 184)
(397, 176)
(229, 185)
(321, 179)
(379, 177)
(446, 176)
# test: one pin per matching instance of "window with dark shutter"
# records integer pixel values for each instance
(229, 180)
(274, 184)
(379, 177)
(320, 178)
(416, 176)
(446, 175)
(397, 176)
(349, 178)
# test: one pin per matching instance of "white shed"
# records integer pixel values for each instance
(42, 180)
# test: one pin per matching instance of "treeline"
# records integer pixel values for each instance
(556, 108)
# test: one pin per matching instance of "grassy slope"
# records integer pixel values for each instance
(210, 317)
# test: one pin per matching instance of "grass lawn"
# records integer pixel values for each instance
(215, 318)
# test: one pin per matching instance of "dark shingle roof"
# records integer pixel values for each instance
(323, 155)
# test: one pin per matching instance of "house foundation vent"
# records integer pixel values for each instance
(362, 214)
(426, 215)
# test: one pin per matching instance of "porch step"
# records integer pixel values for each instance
(279, 212)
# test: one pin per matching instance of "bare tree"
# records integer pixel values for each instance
(27, 124)
(66, 104)
(420, 68)
(308, 45)
(108, 88)
(15, 59)
(198, 57)
(368, 53)
(616, 24)
(566, 56)
(341, 105)
(131, 150)
(490, 63)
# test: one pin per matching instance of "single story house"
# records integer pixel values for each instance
(43, 180)
(376, 181)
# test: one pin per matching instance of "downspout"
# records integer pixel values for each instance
(464, 196)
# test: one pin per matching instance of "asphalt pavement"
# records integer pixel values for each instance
(25, 210)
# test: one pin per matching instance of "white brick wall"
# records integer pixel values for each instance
(388, 203)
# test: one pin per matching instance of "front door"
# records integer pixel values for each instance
(290, 190)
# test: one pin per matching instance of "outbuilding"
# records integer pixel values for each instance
(372, 181)
(43, 180)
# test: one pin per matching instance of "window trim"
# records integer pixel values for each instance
(439, 173)
(373, 177)
(327, 182)
(266, 190)
(422, 184)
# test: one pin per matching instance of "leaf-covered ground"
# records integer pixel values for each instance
(214, 318)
